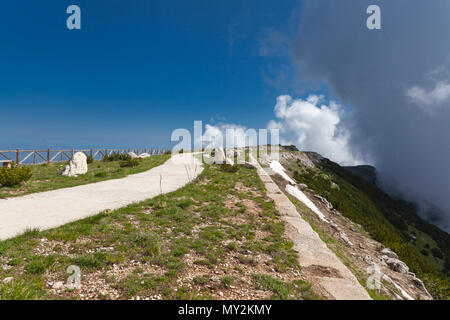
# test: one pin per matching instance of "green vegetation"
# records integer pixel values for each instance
(206, 237)
(14, 175)
(387, 220)
(47, 176)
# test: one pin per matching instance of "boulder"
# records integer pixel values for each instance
(144, 155)
(397, 265)
(132, 155)
(335, 226)
(78, 165)
(388, 252)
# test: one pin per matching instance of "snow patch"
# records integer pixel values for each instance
(278, 168)
(294, 191)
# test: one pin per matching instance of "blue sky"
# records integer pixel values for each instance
(135, 71)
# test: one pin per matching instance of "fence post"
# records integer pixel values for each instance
(17, 157)
(90, 152)
(48, 155)
(72, 153)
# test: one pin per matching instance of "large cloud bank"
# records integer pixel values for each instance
(397, 81)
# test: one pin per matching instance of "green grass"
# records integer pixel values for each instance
(198, 219)
(47, 176)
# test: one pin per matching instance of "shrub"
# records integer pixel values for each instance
(129, 163)
(15, 175)
(437, 253)
(101, 174)
(90, 159)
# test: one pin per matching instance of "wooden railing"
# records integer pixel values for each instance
(47, 156)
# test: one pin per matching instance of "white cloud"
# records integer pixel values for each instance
(431, 99)
(313, 127)
(309, 125)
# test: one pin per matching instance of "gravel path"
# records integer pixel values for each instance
(326, 273)
(46, 210)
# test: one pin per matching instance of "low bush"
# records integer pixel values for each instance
(15, 175)
(129, 163)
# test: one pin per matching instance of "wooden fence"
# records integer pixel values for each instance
(21, 157)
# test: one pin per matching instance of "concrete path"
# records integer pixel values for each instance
(326, 273)
(51, 209)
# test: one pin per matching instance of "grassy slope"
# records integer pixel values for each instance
(47, 176)
(386, 219)
(214, 234)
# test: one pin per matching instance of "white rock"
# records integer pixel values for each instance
(346, 239)
(144, 155)
(7, 280)
(294, 191)
(368, 259)
(419, 284)
(78, 165)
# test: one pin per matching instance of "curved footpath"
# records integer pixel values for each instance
(319, 264)
(46, 210)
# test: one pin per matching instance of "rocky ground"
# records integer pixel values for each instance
(219, 238)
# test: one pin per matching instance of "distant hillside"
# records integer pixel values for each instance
(368, 173)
